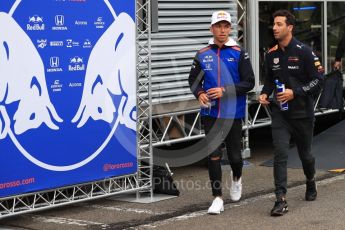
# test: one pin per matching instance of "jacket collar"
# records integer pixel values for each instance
(292, 43)
(231, 42)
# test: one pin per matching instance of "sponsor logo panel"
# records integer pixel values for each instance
(41, 43)
(75, 84)
(99, 23)
(35, 23)
(76, 64)
(80, 23)
(71, 43)
(56, 86)
(54, 63)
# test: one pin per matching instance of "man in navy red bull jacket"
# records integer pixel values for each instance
(220, 77)
(294, 64)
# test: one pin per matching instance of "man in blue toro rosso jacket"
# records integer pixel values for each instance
(220, 77)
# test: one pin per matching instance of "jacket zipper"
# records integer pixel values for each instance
(218, 81)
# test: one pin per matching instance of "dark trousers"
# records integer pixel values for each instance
(302, 132)
(217, 131)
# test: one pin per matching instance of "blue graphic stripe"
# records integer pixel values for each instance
(7, 50)
(34, 82)
(118, 40)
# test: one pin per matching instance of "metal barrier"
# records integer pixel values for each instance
(257, 116)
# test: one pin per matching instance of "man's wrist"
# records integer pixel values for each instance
(200, 92)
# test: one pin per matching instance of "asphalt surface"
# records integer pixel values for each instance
(327, 212)
(188, 211)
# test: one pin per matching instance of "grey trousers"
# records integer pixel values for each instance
(283, 128)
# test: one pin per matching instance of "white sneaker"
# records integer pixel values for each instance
(216, 207)
(236, 190)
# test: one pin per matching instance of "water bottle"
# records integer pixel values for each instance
(209, 107)
(281, 88)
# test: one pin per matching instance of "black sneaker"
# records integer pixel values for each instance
(311, 192)
(280, 208)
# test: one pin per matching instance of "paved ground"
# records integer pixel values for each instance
(253, 213)
(189, 210)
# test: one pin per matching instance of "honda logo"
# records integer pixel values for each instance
(54, 62)
(59, 20)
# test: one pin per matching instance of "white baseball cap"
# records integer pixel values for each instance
(220, 16)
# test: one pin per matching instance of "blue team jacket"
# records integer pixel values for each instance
(229, 67)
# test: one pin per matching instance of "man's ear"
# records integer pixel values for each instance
(290, 27)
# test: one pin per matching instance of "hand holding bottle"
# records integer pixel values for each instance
(283, 95)
(203, 100)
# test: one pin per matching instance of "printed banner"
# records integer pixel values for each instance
(67, 92)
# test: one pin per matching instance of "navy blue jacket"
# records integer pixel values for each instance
(300, 70)
(228, 67)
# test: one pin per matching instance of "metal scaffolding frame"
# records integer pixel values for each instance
(42, 200)
(144, 97)
(186, 131)
(257, 116)
(138, 182)
(242, 22)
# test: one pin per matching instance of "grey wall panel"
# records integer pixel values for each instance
(181, 28)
